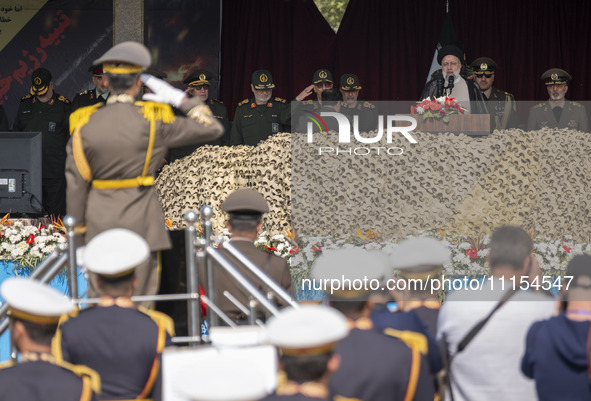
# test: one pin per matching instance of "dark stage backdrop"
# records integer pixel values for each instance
(64, 36)
(390, 44)
(184, 35)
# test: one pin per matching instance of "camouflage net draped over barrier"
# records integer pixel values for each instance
(451, 182)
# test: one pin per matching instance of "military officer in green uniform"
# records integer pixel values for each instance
(259, 117)
(93, 96)
(558, 112)
(351, 106)
(198, 83)
(501, 105)
(321, 81)
(46, 111)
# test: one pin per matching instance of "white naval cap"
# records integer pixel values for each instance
(115, 252)
(212, 375)
(420, 254)
(307, 330)
(33, 301)
(355, 272)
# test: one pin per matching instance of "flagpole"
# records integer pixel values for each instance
(447, 6)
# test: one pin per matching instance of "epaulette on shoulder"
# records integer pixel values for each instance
(81, 116)
(158, 111)
(410, 338)
(26, 97)
(7, 364)
(539, 105)
(280, 100)
(83, 371)
(161, 319)
(84, 93)
(63, 99)
(245, 101)
(576, 104)
(308, 102)
(368, 105)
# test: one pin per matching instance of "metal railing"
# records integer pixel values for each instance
(199, 252)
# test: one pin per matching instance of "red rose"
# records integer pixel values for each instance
(471, 253)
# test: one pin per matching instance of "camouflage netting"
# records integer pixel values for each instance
(446, 181)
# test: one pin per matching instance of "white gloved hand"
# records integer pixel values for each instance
(163, 91)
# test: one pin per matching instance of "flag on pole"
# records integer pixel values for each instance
(446, 37)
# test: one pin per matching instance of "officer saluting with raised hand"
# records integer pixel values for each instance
(116, 149)
(34, 313)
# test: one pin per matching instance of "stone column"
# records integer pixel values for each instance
(128, 21)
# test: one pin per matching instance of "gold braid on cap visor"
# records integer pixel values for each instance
(121, 68)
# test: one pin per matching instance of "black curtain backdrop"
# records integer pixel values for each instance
(390, 44)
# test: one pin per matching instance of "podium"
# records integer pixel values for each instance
(468, 124)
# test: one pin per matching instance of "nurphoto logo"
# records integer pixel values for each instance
(386, 124)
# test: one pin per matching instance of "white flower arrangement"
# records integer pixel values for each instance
(26, 244)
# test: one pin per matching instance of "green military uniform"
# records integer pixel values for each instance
(51, 119)
(198, 79)
(571, 115)
(366, 111)
(254, 123)
(500, 104)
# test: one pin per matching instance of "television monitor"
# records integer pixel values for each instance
(20, 173)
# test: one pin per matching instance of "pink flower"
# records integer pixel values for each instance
(566, 248)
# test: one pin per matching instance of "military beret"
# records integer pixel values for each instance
(356, 271)
(96, 69)
(350, 82)
(125, 58)
(484, 65)
(115, 252)
(33, 301)
(262, 79)
(156, 73)
(41, 78)
(245, 201)
(307, 330)
(198, 78)
(450, 50)
(556, 76)
(420, 254)
(322, 75)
